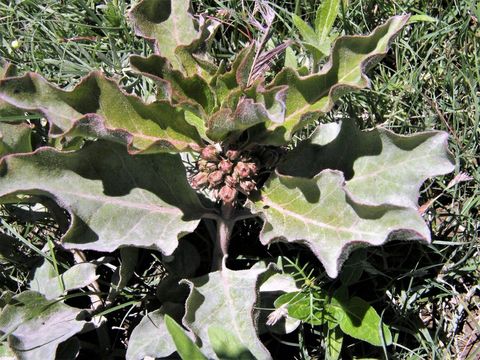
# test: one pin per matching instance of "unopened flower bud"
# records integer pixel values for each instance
(242, 170)
(247, 186)
(211, 166)
(227, 194)
(199, 180)
(231, 181)
(215, 178)
(202, 164)
(209, 152)
(233, 154)
(226, 166)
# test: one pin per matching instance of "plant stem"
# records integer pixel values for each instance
(224, 231)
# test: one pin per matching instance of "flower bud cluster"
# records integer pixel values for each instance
(226, 172)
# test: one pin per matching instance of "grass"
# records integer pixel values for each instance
(427, 293)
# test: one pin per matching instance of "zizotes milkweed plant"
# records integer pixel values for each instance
(119, 171)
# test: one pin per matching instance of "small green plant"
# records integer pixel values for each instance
(212, 149)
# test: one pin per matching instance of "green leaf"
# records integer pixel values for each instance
(321, 214)
(309, 307)
(114, 199)
(226, 345)
(290, 58)
(97, 107)
(359, 319)
(168, 23)
(52, 285)
(267, 106)
(15, 138)
(36, 326)
(7, 110)
(124, 272)
(421, 18)
(380, 167)
(333, 343)
(150, 337)
(309, 96)
(326, 14)
(226, 297)
(173, 84)
(186, 348)
(307, 33)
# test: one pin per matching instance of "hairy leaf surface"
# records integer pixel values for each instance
(310, 95)
(36, 326)
(151, 337)
(380, 167)
(52, 285)
(114, 199)
(15, 138)
(321, 214)
(226, 297)
(168, 23)
(97, 107)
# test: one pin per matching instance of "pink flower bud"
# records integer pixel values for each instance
(210, 167)
(199, 180)
(247, 186)
(231, 181)
(209, 153)
(242, 170)
(233, 154)
(227, 194)
(226, 166)
(215, 178)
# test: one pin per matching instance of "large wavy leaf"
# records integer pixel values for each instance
(114, 199)
(150, 338)
(177, 35)
(15, 138)
(50, 284)
(380, 167)
(97, 107)
(36, 326)
(320, 213)
(7, 110)
(226, 298)
(309, 96)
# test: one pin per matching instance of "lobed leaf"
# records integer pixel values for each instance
(36, 326)
(52, 285)
(15, 138)
(97, 107)
(311, 95)
(150, 338)
(380, 167)
(114, 199)
(177, 35)
(7, 110)
(323, 215)
(226, 297)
